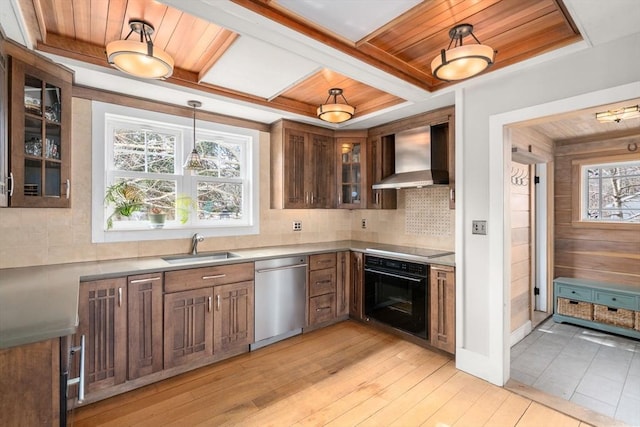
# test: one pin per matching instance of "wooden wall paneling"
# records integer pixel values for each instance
(605, 252)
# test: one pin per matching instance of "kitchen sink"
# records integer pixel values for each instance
(201, 257)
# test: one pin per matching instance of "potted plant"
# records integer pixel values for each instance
(157, 217)
(125, 197)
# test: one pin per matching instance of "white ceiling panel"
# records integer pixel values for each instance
(258, 68)
(351, 19)
(601, 22)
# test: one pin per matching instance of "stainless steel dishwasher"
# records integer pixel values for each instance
(280, 296)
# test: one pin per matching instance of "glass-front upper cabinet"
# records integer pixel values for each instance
(40, 129)
(350, 177)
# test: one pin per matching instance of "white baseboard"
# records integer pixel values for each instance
(520, 333)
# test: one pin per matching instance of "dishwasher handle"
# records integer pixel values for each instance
(285, 267)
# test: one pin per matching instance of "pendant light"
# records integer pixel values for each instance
(335, 112)
(194, 162)
(463, 61)
(140, 58)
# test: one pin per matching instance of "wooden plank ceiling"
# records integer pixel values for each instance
(404, 47)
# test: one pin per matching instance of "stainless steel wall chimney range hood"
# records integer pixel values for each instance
(421, 160)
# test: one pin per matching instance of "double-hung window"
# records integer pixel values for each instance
(138, 159)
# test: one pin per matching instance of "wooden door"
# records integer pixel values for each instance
(188, 326)
(295, 191)
(145, 324)
(442, 308)
(234, 316)
(356, 286)
(320, 175)
(102, 311)
(342, 283)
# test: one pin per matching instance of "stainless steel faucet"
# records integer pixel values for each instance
(194, 243)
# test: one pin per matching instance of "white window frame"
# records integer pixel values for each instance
(101, 154)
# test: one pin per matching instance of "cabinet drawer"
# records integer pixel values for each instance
(194, 278)
(322, 308)
(322, 282)
(320, 261)
(574, 292)
(611, 299)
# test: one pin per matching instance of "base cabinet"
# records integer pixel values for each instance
(144, 319)
(343, 271)
(322, 289)
(188, 326)
(30, 384)
(102, 312)
(234, 316)
(356, 286)
(442, 307)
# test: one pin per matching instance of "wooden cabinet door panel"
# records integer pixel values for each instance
(234, 315)
(322, 281)
(322, 308)
(207, 277)
(103, 321)
(295, 165)
(356, 286)
(320, 178)
(442, 308)
(188, 326)
(145, 324)
(342, 283)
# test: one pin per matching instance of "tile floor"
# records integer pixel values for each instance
(590, 368)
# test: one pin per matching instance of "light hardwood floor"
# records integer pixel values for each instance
(344, 375)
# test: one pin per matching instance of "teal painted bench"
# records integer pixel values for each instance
(604, 306)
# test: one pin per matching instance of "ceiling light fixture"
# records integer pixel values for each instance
(194, 162)
(140, 58)
(462, 62)
(335, 112)
(618, 114)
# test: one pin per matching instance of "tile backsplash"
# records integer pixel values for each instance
(31, 237)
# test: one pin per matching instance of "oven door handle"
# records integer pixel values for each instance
(384, 273)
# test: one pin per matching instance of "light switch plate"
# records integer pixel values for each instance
(297, 225)
(478, 227)
(364, 223)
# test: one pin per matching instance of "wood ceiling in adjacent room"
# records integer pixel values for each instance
(402, 47)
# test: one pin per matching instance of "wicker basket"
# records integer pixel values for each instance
(637, 326)
(579, 309)
(613, 316)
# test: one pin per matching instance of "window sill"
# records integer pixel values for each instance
(606, 225)
(168, 233)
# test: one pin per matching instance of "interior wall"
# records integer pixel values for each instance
(601, 253)
(33, 237)
(581, 79)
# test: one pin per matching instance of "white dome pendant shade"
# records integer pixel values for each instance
(140, 58)
(335, 112)
(463, 61)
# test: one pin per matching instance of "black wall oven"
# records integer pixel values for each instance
(395, 293)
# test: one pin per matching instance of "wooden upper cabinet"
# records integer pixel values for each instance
(350, 172)
(380, 165)
(102, 312)
(40, 132)
(302, 166)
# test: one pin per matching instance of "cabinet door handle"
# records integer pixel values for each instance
(218, 302)
(209, 304)
(322, 308)
(215, 276)
(321, 282)
(150, 279)
(68, 188)
(12, 184)
(119, 297)
(79, 379)
(377, 197)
